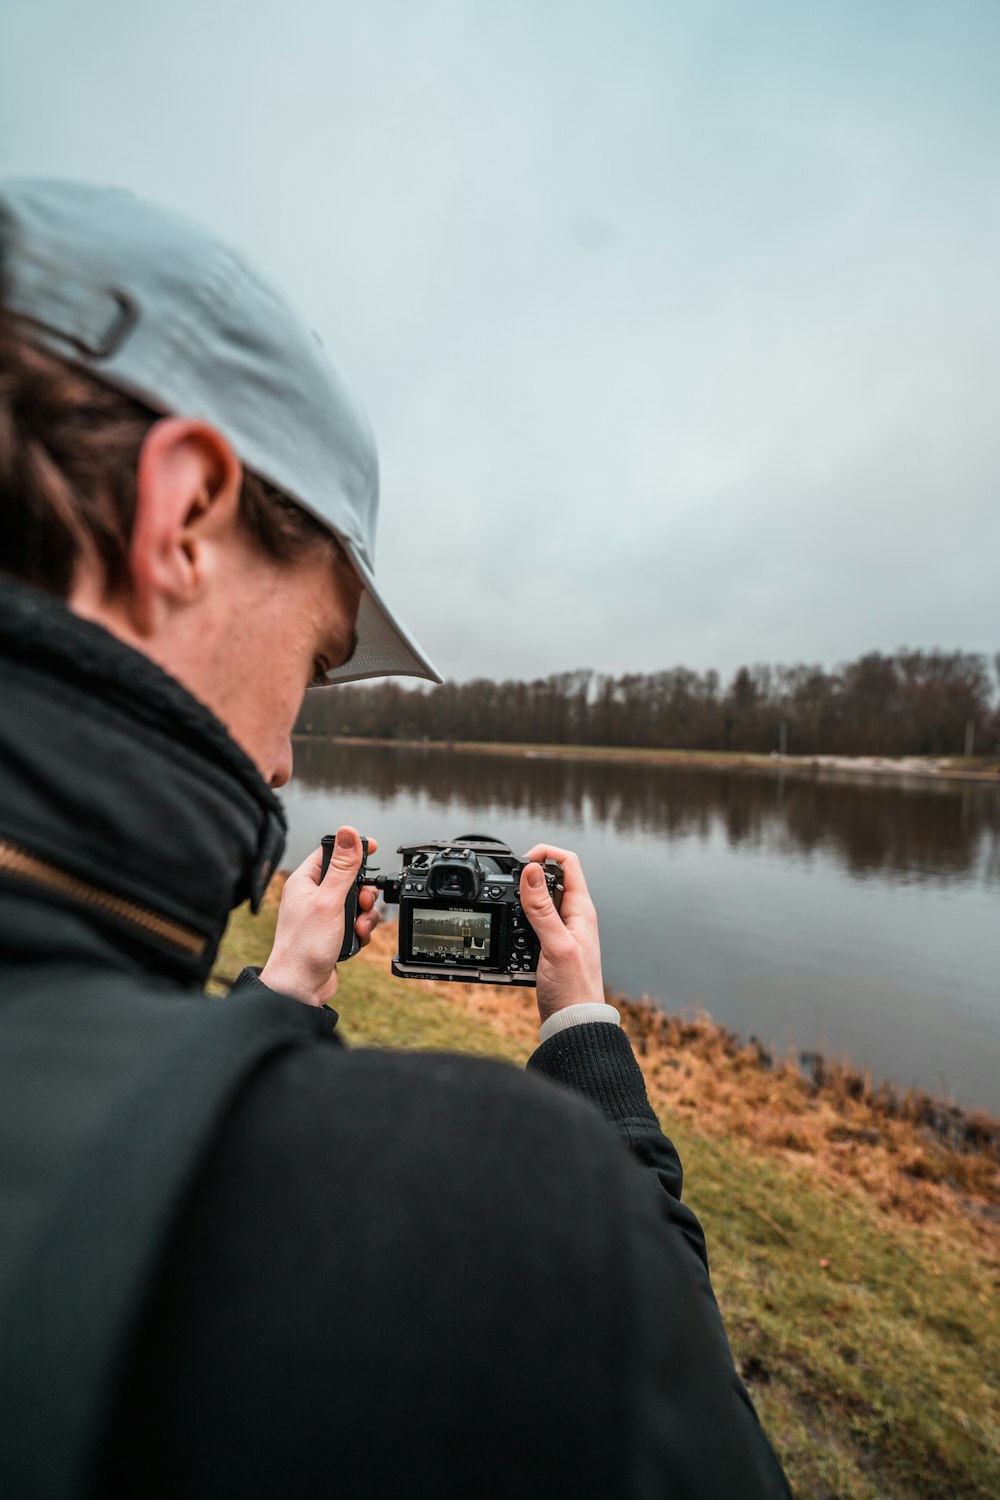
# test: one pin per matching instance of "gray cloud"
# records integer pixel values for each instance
(677, 326)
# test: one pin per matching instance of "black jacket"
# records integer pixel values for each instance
(238, 1259)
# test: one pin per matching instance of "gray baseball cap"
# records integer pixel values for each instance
(158, 307)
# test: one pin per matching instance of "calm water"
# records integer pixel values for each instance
(857, 918)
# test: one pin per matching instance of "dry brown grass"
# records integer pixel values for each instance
(832, 1123)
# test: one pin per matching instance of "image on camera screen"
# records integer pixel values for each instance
(451, 934)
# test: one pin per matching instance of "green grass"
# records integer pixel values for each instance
(875, 1375)
(870, 1343)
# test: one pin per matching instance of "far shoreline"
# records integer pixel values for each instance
(889, 767)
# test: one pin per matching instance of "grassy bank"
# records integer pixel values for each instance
(854, 1253)
(972, 768)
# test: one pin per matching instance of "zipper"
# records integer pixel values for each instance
(17, 861)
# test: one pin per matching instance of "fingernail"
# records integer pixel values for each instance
(534, 876)
(345, 838)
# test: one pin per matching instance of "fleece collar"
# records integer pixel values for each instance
(114, 772)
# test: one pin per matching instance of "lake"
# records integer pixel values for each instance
(859, 917)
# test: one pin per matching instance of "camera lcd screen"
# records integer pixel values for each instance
(460, 935)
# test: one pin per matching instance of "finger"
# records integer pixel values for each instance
(366, 925)
(345, 862)
(574, 880)
(312, 865)
(367, 897)
(541, 913)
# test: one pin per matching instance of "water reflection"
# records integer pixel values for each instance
(940, 832)
(842, 916)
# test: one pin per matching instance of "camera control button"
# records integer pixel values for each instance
(521, 940)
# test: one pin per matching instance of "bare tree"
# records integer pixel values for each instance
(911, 702)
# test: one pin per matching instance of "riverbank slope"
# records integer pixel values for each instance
(961, 768)
(855, 1253)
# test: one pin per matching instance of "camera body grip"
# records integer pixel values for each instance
(351, 943)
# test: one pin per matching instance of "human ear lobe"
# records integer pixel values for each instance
(188, 484)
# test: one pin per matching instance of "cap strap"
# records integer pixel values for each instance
(63, 301)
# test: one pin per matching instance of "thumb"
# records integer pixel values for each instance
(539, 907)
(345, 862)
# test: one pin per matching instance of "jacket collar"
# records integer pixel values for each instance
(114, 776)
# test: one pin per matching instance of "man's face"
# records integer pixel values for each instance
(286, 624)
(245, 634)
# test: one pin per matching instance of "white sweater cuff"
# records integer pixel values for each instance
(578, 1015)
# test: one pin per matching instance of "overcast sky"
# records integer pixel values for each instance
(678, 324)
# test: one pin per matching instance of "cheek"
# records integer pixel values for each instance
(280, 661)
(292, 676)
(284, 698)
(271, 698)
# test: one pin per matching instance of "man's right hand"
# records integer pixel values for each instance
(310, 929)
(569, 967)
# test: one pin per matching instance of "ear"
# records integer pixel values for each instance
(188, 483)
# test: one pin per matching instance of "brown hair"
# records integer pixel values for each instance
(69, 446)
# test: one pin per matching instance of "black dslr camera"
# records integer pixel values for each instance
(460, 914)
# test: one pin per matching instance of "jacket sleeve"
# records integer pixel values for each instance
(597, 1061)
(707, 1416)
(249, 982)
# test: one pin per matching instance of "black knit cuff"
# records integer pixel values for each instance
(249, 980)
(597, 1061)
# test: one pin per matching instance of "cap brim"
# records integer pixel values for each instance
(384, 647)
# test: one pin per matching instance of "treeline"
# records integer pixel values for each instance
(908, 703)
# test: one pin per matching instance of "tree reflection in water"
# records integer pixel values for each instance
(915, 830)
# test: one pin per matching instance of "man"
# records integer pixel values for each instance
(235, 1257)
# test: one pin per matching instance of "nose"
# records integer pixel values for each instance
(282, 773)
